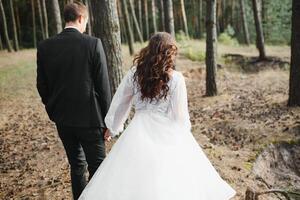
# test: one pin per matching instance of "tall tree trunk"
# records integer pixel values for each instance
(146, 19)
(122, 24)
(244, 22)
(183, 14)
(4, 22)
(129, 32)
(153, 16)
(169, 17)
(56, 16)
(1, 44)
(33, 23)
(259, 32)
(294, 89)
(211, 48)
(232, 9)
(14, 24)
(106, 26)
(135, 21)
(19, 29)
(41, 19)
(140, 15)
(200, 18)
(223, 14)
(45, 18)
(162, 15)
(90, 20)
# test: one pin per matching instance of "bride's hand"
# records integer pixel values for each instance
(107, 135)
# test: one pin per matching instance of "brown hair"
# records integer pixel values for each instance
(152, 64)
(72, 11)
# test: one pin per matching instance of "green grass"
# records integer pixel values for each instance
(194, 55)
(16, 79)
(226, 39)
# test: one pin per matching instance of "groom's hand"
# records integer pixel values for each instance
(107, 135)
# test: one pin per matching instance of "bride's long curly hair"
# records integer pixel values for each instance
(152, 64)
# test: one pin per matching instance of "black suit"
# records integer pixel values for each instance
(72, 80)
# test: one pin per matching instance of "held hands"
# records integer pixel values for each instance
(107, 135)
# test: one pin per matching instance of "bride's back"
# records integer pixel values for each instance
(161, 105)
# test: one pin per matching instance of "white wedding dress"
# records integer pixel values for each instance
(156, 157)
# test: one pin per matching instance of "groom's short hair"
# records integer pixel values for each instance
(72, 11)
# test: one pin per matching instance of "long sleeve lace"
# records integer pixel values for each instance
(179, 102)
(120, 105)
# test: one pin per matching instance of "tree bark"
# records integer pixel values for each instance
(56, 16)
(259, 32)
(135, 21)
(122, 24)
(41, 19)
(183, 14)
(1, 44)
(162, 15)
(14, 24)
(129, 33)
(8, 44)
(294, 87)
(244, 22)
(211, 48)
(153, 16)
(45, 18)
(146, 19)
(33, 23)
(106, 26)
(90, 20)
(169, 17)
(140, 15)
(19, 29)
(200, 18)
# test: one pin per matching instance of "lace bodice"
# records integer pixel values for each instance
(128, 95)
(162, 105)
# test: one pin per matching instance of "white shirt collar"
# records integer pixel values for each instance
(72, 27)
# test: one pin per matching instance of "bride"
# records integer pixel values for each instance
(156, 157)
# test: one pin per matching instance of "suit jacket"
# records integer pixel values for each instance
(72, 79)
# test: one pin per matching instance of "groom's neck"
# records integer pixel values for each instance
(72, 25)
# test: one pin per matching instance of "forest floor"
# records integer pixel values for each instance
(248, 114)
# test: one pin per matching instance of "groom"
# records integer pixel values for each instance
(72, 80)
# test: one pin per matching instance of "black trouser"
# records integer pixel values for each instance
(84, 147)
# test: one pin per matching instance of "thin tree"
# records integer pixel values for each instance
(135, 21)
(129, 32)
(106, 26)
(153, 6)
(18, 23)
(90, 20)
(1, 44)
(146, 19)
(4, 22)
(41, 19)
(45, 16)
(184, 20)
(140, 14)
(169, 17)
(260, 44)
(294, 89)
(122, 23)
(14, 26)
(33, 23)
(200, 18)
(211, 48)
(162, 15)
(244, 22)
(56, 16)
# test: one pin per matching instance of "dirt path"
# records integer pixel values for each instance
(232, 128)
